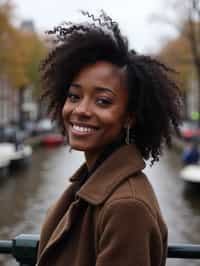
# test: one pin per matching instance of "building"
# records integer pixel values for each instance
(8, 103)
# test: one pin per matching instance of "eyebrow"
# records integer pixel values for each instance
(102, 89)
(75, 85)
(99, 89)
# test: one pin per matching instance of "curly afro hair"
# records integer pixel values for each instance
(154, 98)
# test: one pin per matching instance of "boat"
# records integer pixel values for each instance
(15, 157)
(4, 166)
(21, 156)
(6, 154)
(52, 139)
(191, 173)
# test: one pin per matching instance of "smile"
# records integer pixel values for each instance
(82, 130)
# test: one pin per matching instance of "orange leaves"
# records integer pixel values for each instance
(177, 54)
(20, 51)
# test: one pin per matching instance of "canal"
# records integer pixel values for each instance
(25, 196)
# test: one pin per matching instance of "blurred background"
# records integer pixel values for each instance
(34, 163)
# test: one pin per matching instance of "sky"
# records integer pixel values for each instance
(133, 16)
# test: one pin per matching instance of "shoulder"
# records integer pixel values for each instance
(134, 198)
(138, 189)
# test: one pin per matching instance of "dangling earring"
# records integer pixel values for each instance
(65, 140)
(128, 137)
(66, 143)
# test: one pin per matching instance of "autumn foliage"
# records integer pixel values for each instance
(177, 54)
(20, 51)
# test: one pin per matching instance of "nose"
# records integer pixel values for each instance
(83, 108)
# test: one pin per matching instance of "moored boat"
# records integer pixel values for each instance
(4, 166)
(22, 156)
(15, 157)
(191, 174)
(6, 154)
(52, 139)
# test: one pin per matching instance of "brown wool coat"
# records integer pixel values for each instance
(114, 219)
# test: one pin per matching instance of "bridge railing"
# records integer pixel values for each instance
(24, 249)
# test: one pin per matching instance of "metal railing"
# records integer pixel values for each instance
(24, 249)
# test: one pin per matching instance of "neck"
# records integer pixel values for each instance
(91, 157)
(96, 157)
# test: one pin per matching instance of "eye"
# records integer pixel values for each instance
(73, 97)
(104, 102)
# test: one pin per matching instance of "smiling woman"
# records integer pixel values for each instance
(97, 98)
(119, 108)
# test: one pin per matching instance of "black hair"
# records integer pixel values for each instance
(154, 97)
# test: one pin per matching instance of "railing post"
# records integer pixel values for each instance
(184, 251)
(25, 249)
(6, 246)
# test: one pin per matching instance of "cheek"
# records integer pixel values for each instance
(114, 119)
(65, 112)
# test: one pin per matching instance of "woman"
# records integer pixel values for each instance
(119, 108)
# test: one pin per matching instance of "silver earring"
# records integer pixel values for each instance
(65, 140)
(66, 143)
(128, 138)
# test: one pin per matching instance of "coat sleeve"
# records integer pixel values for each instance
(129, 235)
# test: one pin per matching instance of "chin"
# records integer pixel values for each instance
(80, 147)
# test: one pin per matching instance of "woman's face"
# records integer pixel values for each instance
(95, 111)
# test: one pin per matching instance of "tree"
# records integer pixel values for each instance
(20, 54)
(12, 60)
(176, 53)
(34, 49)
(188, 26)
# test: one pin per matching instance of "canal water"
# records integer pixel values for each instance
(26, 195)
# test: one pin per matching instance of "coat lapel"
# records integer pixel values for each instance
(67, 218)
(122, 163)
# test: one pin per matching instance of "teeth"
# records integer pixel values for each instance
(83, 129)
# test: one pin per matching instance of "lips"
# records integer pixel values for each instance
(82, 129)
(84, 125)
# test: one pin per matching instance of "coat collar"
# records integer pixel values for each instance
(122, 163)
